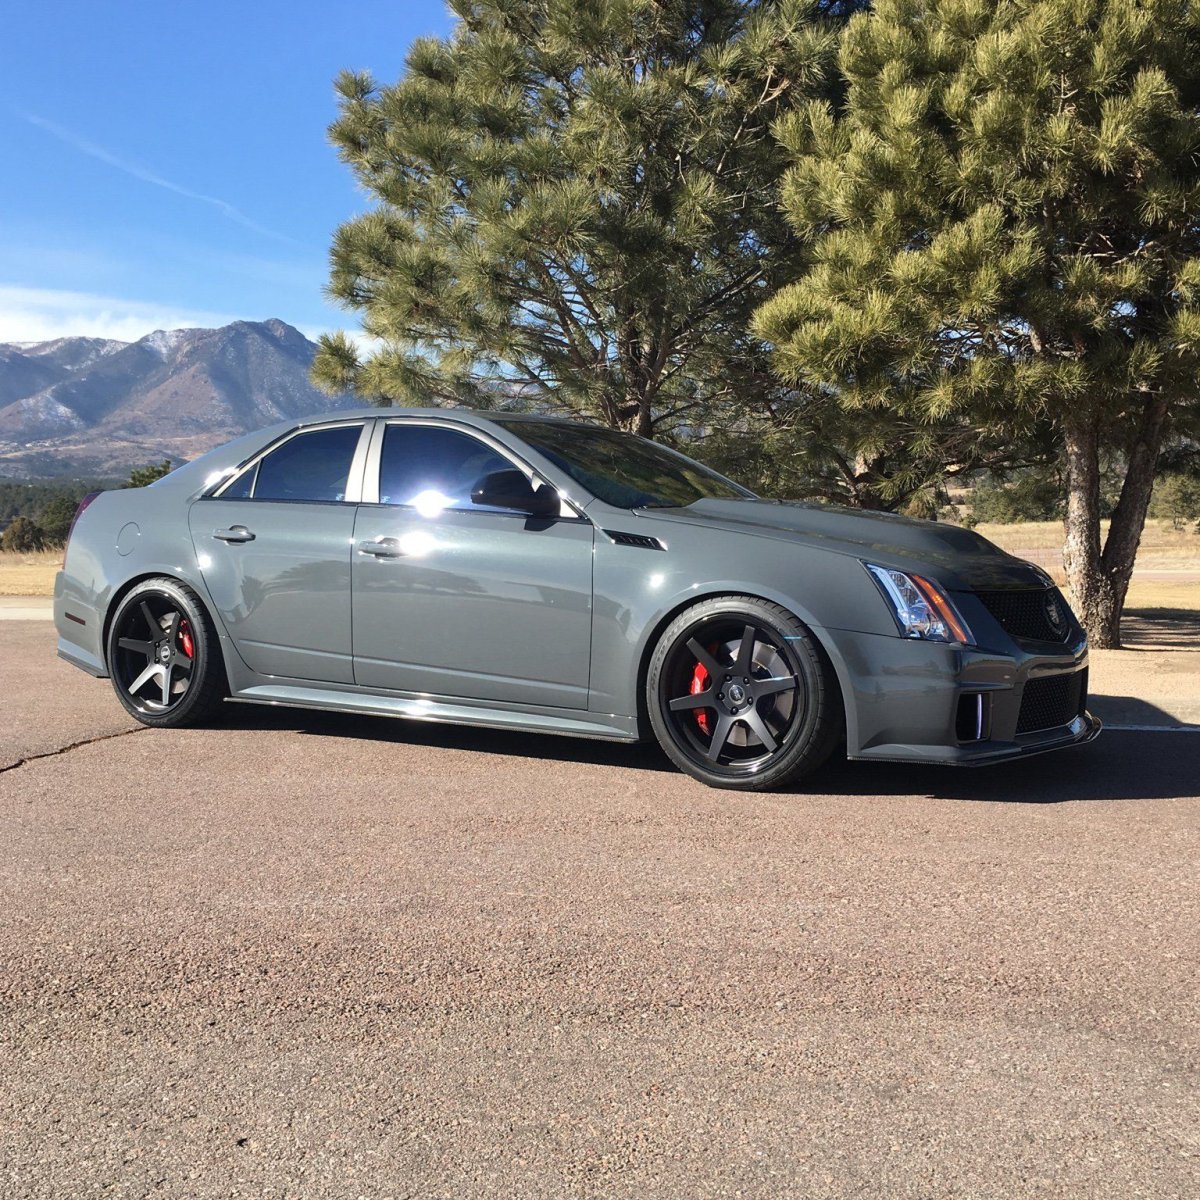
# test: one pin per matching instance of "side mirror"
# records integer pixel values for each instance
(511, 489)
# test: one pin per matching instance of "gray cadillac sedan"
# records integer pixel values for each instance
(536, 574)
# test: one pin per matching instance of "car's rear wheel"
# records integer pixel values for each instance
(741, 695)
(163, 655)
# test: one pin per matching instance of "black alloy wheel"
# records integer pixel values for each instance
(163, 655)
(742, 696)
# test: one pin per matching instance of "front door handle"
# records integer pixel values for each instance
(387, 547)
(236, 533)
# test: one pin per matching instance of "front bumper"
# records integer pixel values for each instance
(903, 696)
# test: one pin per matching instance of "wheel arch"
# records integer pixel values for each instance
(122, 590)
(660, 623)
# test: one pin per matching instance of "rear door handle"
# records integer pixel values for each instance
(387, 547)
(236, 533)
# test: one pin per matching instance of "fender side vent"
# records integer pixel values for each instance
(641, 540)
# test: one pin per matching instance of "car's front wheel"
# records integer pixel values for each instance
(163, 655)
(741, 695)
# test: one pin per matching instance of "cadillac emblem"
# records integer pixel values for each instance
(1055, 614)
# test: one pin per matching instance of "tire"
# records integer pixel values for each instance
(720, 700)
(164, 657)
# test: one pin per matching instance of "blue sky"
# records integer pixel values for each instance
(167, 165)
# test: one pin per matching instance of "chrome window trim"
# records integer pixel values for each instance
(354, 479)
(358, 466)
(569, 509)
(370, 488)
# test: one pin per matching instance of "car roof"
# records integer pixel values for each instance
(470, 416)
(201, 472)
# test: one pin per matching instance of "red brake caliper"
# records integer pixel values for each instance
(700, 684)
(185, 639)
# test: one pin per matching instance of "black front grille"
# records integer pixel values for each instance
(1052, 701)
(1029, 615)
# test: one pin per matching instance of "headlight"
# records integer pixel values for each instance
(921, 608)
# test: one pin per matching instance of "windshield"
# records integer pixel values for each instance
(623, 470)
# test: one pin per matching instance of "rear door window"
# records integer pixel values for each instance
(312, 466)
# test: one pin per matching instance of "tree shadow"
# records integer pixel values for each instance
(1160, 629)
(1121, 765)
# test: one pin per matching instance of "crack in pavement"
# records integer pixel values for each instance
(102, 737)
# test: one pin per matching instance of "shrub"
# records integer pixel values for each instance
(23, 535)
(1176, 499)
(1029, 497)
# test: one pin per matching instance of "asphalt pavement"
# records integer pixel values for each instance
(319, 956)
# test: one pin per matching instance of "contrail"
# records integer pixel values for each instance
(147, 176)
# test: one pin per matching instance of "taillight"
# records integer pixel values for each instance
(79, 511)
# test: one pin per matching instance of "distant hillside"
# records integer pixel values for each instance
(86, 406)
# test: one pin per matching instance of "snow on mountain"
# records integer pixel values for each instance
(164, 341)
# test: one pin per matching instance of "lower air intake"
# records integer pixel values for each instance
(1052, 701)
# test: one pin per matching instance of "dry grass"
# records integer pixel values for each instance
(1163, 548)
(30, 574)
(1165, 594)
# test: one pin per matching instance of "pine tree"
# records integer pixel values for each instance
(804, 444)
(1005, 223)
(575, 204)
(56, 519)
(145, 476)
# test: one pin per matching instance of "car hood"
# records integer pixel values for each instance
(956, 558)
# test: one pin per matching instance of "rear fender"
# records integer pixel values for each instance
(121, 539)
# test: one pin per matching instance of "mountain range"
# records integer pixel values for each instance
(81, 406)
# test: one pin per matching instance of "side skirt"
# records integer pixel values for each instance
(570, 723)
(78, 657)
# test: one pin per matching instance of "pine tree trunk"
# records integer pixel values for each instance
(1090, 596)
(1099, 579)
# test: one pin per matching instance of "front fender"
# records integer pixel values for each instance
(638, 591)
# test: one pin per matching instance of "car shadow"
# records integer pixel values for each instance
(434, 735)
(1133, 710)
(1120, 765)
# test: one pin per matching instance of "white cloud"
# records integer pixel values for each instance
(94, 150)
(41, 314)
